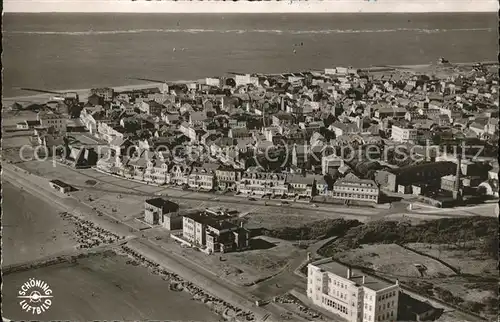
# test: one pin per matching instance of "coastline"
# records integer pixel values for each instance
(83, 92)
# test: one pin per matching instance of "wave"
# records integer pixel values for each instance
(242, 31)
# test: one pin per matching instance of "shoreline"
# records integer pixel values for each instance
(83, 92)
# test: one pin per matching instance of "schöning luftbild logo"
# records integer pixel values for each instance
(36, 296)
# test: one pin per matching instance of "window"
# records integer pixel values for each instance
(392, 303)
(392, 313)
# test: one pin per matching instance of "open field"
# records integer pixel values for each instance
(289, 217)
(394, 260)
(469, 261)
(268, 257)
(104, 287)
(32, 228)
(11, 118)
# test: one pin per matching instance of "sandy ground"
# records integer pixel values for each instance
(288, 217)
(104, 288)
(468, 261)
(395, 260)
(268, 258)
(31, 227)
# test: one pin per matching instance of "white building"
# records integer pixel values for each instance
(400, 134)
(213, 81)
(353, 188)
(330, 162)
(350, 294)
(246, 79)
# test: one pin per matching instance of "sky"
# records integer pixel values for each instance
(253, 7)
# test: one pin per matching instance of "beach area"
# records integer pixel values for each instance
(104, 287)
(32, 228)
(83, 93)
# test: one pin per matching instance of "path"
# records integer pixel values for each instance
(287, 279)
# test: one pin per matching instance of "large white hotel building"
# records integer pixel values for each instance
(350, 294)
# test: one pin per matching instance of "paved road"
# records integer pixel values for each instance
(226, 199)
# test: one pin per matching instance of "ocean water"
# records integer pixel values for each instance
(63, 51)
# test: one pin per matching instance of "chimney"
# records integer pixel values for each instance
(456, 188)
(241, 224)
(397, 281)
(363, 279)
(349, 273)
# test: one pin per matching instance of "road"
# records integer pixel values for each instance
(194, 273)
(287, 279)
(197, 196)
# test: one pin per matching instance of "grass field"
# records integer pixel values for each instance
(394, 260)
(469, 261)
(267, 258)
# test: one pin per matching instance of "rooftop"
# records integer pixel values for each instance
(356, 275)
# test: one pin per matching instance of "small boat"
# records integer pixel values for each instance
(174, 49)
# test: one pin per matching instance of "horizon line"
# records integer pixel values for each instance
(290, 6)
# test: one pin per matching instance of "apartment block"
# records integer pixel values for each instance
(52, 120)
(350, 294)
(401, 134)
(353, 188)
(214, 233)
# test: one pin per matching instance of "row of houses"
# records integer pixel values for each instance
(210, 177)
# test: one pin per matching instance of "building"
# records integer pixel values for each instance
(351, 294)
(81, 157)
(156, 209)
(246, 79)
(261, 183)
(301, 185)
(214, 233)
(106, 93)
(52, 120)
(353, 188)
(60, 186)
(330, 162)
(201, 178)
(27, 125)
(227, 177)
(213, 81)
(403, 134)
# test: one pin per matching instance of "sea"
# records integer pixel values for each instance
(56, 51)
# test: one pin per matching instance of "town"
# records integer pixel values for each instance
(317, 193)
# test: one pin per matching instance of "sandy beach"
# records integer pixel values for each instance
(32, 228)
(103, 287)
(84, 92)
